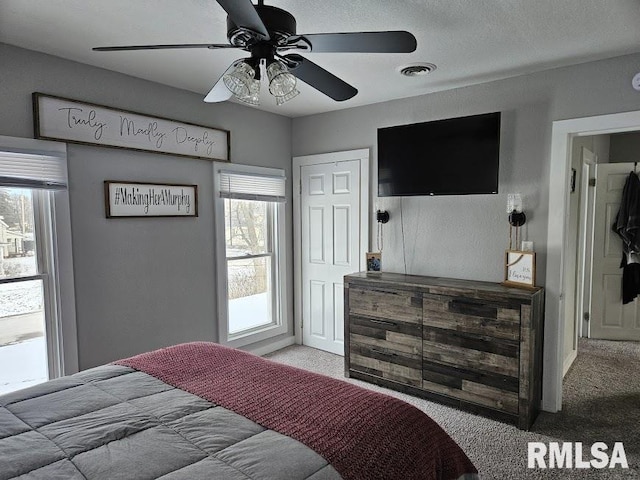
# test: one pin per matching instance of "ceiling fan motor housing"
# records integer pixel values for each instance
(279, 23)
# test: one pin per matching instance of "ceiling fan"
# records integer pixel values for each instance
(268, 34)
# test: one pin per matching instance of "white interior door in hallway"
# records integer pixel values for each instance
(332, 224)
(610, 319)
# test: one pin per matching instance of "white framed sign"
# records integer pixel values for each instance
(520, 268)
(129, 199)
(57, 118)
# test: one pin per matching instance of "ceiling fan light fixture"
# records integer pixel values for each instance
(285, 98)
(281, 82)
(253, 98)
(239, 79)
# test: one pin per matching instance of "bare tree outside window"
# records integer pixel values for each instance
(247, 235)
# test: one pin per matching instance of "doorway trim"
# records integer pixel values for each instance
(316, 159)
(585, 242)
(562, 135)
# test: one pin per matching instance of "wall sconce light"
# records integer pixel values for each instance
(382, 216)
(517, 218)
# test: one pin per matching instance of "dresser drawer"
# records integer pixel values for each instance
(478, 394)
(474, 352)
(388, 349)
(479, 317)
(386, 364)
(386, 333)
(468, 369)
(386, 304)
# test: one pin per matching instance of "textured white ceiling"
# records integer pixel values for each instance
(470, 41)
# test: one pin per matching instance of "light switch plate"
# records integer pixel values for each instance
(635, 83)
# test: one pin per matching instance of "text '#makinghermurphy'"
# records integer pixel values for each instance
(137, 196)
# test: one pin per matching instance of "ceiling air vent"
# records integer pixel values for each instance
(417, 69)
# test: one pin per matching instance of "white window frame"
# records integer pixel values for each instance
(55, 260)
(280, 324)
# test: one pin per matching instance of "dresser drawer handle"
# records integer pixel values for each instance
(383, 322)
(462, 303)
(382, 352)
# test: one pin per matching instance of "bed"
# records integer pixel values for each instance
(204, 411)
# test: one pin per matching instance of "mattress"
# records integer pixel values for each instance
(201, 410)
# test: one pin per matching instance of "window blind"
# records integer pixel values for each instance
(251, 186)
(32, 170)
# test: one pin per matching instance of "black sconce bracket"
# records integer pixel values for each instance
(382, 216)
(517, 219)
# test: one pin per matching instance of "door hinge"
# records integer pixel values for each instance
(586, 316)
(592, 182)
(300, 185)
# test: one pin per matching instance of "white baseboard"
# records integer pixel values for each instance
(272, 347)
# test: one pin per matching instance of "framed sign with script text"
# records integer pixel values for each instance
(72, 121)
(520, 268)
(130, 199)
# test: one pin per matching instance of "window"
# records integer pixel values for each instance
(251, 274)
(32, 286)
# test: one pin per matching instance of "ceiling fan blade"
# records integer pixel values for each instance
(244, 14)
(163, 47)
(362, 42)
(319, 78)
(219, 92)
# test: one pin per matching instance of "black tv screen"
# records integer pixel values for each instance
(455, 156)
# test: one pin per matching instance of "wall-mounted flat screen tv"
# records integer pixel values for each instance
(454, 156)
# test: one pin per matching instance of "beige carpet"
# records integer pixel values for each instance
(601, 403)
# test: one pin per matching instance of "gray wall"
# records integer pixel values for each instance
(601, 146)
(465, 236)
(625, 147)
(140, 283)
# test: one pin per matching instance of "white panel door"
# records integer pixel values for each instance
(610, 319)
(330, 227)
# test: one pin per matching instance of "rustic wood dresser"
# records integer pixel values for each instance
(472, 345)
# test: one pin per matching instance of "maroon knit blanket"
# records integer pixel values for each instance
(363, 434)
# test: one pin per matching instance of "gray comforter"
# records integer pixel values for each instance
(113, 422)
